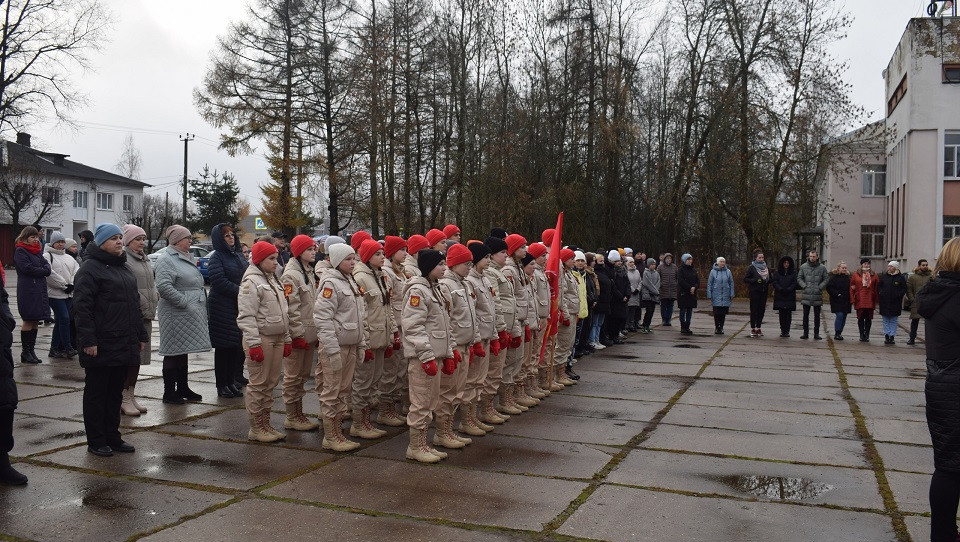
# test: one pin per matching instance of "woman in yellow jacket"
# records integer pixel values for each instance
(262, 318)
(301, 292)
(393, 384)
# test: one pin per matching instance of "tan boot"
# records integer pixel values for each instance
(434, 451)
(533, 389)
(386, 415)
(562, 376)
(296, 420)
(554, 385)
(506, 405)
(441, 437)
(489, 414)
(521, 398)
(333, 438)
(512, 399)
(266, 424)
(258, 431)
(368, 422)
(542, 381)
(126, 405)
(450, 431)
(417, 449)
(359, 429)
(477, 406)
(136, 405)
(468, 424)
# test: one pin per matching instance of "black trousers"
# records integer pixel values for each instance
(225, 364)
(720, 316)
(6, 430)
(944, 498)
(758, 307)
(914, 326)
(102, 395)
(806, 320)
(786, 319)
(648, 308)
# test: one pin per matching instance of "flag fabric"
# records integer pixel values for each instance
(553, 278)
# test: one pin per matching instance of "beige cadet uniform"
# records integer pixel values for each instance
(487, 329)
(569, 308)
(300, 291)
(378, 320)
(393, 383)
(426, 336)
(262, 318)
(463, 318)
(410, 268)
(506, 307)
(521, 293)
(541, 304)
(338, 314)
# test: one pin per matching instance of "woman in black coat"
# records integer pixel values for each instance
(225, 271)
(601, 311)
(32, 302)
(838, 288)
(620, 295)
(893, 286)
(106, 309)
(8, 389)
(939, 304)
(785, 286)
(757, 279)
(687, 283)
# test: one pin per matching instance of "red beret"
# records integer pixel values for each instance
(368, 248)
(458, 254)
(547, 236)
(301, 243)
(391, 244)
(260, 251)
(416, 243)
(435, 236)
(514, 242)
(358, 238)
(566, 254)
(450, 230)
(537, 249)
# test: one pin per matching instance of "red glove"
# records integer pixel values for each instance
(565, 322)
(515, 342)
(368, 355)
(477, 350)
(300, 344)
(396, 340)
(457, 358)
(387, 353)
(471, 356)
(430, 367)
(256, 354)
(495, 347)
(287, 349)
(504, 340)
(527, 335)
(449, 366)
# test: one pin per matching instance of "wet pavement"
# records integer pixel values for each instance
(737, 439)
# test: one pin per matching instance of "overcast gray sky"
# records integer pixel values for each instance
(158, 53)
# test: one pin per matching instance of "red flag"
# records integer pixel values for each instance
(553, 278)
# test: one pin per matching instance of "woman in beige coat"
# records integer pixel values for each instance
(262, 318)
(301, 294)
(134, 241)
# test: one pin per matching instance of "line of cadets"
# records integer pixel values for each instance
(424, 326)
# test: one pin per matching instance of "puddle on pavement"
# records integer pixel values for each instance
(687, 346)
(776, 487)
(196, 460)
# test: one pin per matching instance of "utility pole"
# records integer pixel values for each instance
(186, 139)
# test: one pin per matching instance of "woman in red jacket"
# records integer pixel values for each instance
(864, 296)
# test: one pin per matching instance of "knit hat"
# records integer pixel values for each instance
(56, 237)
(450, 230)
(416, 243)
(686, 256)
(368, 248)
(106, 231)
(131, 232)
(428, 259)
(547, 236)
(651, 261)
(358, 238)
(495, 244)
(458, 254)
(332, 240)
(894, 264)
(613, 256)
(391, 244)
(499, 233)
(70, 243)
(174, 234)
(579, 256)
(567, 254)
(479, 251)
(435, 236)
(261, 250)
(537, 249)
(525, 261)
(299, 244)
(622, 252)
(864, 260)
(628, 259)
(628, 250)
(338, 253)
(514, 242)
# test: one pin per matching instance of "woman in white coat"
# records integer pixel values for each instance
(63, 268)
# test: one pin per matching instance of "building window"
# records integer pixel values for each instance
(951, 154)
(872, 241)
(875, 180)
(104, 201)
(897, 95)
(127, 203)
(951, 73)
(79, 199)
(50, 195)
(951, 228)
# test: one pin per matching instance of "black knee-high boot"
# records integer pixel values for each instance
(183, 389)
(170, 386)
(29, 342)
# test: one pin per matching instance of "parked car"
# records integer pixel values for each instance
(201, 256)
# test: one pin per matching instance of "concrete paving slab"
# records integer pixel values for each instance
(565, 404)
(33, 434)
(902, 372)
(889, 397)
(618, 513)
(899, 431)
(244, 521)
(619, 386)
(919, 527)
(433, 491)
(746, 400)
(638, 367)
(773, 376)
(786, 423)
(571, 429)
(886, 382)
(911, 491)
(828, 451)
(30, 391)
(68, 406)
(901, 457)
(789, 391)
(767, 481)
(893, 412)
(61, 505)
(60, 372)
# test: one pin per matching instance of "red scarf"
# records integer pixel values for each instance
(33, 249)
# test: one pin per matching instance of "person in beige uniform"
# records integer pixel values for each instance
(301, 294)
(541, 302)
(262, 318)
(479, 358)
(323, 266)
(338, 315)
(512, 386)
(427, 345)
(569, 308)
(530, 348)
(437, 240)
(393, 383)
(415, 244)
(507, 327)
(463, 320)
(378, 321)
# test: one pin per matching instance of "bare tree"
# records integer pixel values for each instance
(27, 196)
(130, 160)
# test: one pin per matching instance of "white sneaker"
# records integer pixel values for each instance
(597, 346)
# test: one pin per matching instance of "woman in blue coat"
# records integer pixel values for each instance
(32, 302)
(720, 292)
(225, 270)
